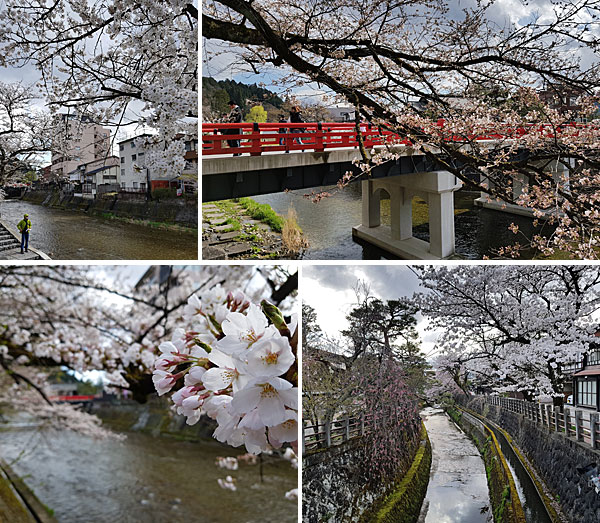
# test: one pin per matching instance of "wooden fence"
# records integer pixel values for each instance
(336, 432)
(582, 425)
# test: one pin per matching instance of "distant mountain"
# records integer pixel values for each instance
(217, 93)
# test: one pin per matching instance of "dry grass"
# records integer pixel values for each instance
(291, 234)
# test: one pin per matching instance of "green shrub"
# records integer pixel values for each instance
(164, 193)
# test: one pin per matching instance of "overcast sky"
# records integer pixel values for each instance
(329, 290)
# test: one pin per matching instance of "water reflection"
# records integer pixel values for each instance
(72, 235)
(328, 225)
(457, 491)
(145, 479)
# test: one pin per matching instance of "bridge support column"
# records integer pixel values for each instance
(559, 171)
(436, 188)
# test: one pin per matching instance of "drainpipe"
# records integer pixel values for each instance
(148, 186)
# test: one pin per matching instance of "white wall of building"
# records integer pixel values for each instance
(132, 165)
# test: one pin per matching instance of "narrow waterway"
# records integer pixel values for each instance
(533, 506)
(73, 235)
(328, 224)
(457, 491)
(154, 480)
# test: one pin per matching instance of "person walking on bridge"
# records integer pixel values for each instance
(296, 117)
(234, 116)
(24, 227)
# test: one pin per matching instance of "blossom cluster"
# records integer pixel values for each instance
(237, 366)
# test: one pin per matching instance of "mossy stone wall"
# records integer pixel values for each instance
(403, 505)
(176, 212)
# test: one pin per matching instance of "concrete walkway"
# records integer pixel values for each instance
(457, 491)
(10, 246)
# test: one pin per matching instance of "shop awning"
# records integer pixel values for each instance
(591, 372)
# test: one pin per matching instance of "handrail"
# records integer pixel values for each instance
(582, 425)
(259, 138)
(332, 433)
(284, 137)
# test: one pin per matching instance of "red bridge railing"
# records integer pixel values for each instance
(281, 137)
(257, 139)
(74, 398)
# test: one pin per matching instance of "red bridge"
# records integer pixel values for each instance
(257, 139)
(324, 152)
(74, 399)
(283, 137)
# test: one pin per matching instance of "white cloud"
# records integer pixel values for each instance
(329, 290)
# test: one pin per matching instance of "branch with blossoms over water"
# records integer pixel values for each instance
(236, 363)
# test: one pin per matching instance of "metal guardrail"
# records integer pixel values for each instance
(581, 425)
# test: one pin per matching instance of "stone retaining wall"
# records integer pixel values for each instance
(153, 417)
(403, 505)
(555, 457)
(172, 211)
(334, 490)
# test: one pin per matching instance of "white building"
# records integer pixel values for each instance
(93, 177)
(78, 141)
(136, 175)
(342, 112)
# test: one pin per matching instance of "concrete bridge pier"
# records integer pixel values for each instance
(436, 188)
(559, 171)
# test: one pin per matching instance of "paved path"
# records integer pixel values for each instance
(10, 246)
(457, 491)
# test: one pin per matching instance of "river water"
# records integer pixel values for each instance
(72, 235)
(457, 491)
(328, 224)
(146, 479)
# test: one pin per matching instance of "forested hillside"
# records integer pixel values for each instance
(216, 95)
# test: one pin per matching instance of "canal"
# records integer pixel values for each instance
(328, 224)
(457, 491)
(533, 506)
(72, 235)
(142, 478)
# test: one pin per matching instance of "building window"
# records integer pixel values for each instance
(143, 186)
(586, 393)
(121, 147)
(122, 185)
(140, 155)
(133, 157)
(135, 185)
(594, 358)
(122, 172)
(132, 145)
(122, 159)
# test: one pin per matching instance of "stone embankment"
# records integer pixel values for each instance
(181, 211)
(230, 233)
(18, 503)
(560, 461)
(338, 492)
(153, 417)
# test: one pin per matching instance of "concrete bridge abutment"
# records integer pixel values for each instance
(436, 188)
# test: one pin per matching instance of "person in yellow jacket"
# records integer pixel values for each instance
(24, 227)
